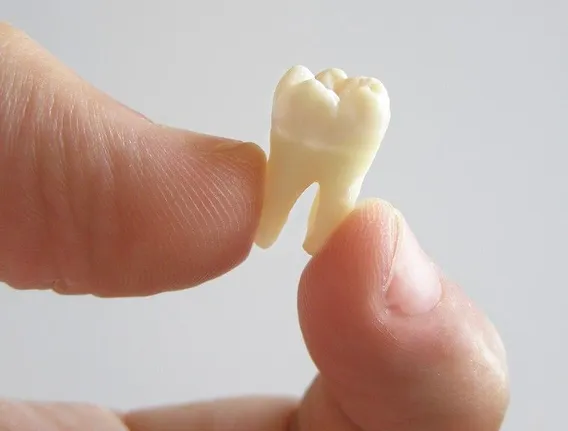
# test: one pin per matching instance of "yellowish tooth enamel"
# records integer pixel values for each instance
(326, 129)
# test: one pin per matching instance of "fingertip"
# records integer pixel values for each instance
(109, 203)
(342, 286)
(385, 327)
(206, 196)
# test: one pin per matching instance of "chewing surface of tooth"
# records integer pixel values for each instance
(326, 129)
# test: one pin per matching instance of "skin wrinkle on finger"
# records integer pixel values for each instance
(15, 109)
(113, 204)
(200, 203)
(73, 178)
(33, 105)
(11, 147)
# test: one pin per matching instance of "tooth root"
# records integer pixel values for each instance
(281, 191)
(313, 212)
(332, 204)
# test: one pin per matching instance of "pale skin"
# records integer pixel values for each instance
(88, 188)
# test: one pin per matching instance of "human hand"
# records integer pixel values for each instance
(96, 199)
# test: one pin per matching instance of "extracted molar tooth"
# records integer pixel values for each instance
(326, 129)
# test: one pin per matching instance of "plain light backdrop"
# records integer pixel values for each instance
(475, 157)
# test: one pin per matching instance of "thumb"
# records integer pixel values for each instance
(399, 347)
(95, 198)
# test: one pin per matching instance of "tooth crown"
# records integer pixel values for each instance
(330, 111)
(325, 129)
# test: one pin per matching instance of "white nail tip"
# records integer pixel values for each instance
(326, 129)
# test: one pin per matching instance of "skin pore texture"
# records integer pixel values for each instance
(97, 199)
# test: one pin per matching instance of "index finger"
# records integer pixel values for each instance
(95, 198)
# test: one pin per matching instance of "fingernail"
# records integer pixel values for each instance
(229, 145)
(414, 286)
(245, 152)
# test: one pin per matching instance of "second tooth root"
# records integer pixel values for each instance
(326, 129)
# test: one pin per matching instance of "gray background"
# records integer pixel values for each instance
(475, 157)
